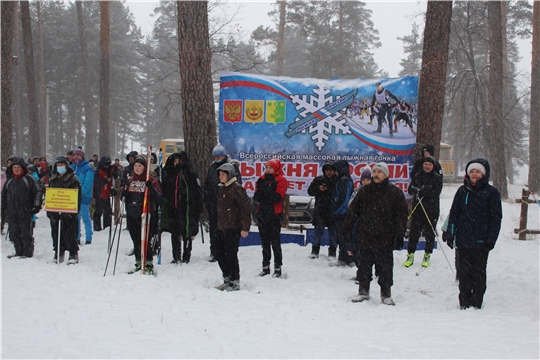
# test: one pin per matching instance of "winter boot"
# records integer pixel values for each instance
(187, 252)
(331, 253)
(149, 268)
(386, 296)
(137, 266)
(314, 252)
(363, 292)
(410, 260)
(61, 258)
(225, 285)
(73, 258)
(277, 272)
(425, 261)
(265, 271)
(233, 285)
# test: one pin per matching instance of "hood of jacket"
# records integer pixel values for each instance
(133, 153)
(342, 168)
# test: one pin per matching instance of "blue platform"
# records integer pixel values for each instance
(305, 238)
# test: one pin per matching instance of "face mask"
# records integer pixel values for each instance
(61, 170)
(76, 160)
(219, 161)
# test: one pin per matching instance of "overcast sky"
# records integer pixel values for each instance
(393, 19)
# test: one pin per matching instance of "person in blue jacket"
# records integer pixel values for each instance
(341, 196)
(473, 228)
(85, 173)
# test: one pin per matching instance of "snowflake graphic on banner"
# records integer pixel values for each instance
(319, 115)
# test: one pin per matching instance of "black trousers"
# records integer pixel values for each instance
(102, 207)
(270, 233)
(213, 228)
(69, 230)
(134, 228)
(20, 232)
(346, 250)
(226, 253)
(384, 266)
(472, 276)
(419, 225)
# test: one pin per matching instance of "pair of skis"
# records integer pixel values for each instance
(145, 217)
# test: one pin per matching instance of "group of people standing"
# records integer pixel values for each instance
(365, 225)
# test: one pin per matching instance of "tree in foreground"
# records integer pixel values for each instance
(534, 134)
(198, 111)
(433, 75)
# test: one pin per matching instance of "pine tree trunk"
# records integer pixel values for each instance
(497, 161)
(198, 113)
(433, 75)
(41, 82)
(16, 85)
(281, 38)
(7, 16)
(33, 123)
(534, 134)
(90, 124)
(104, 78)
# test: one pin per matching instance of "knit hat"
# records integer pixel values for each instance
(60, 159)
(382, 166)
(366, 173)
(430, 159)
(329, 165)
(78, 151)
(219, 150)
(476, 166)
(141, 160)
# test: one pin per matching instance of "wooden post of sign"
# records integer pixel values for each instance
(524, 214)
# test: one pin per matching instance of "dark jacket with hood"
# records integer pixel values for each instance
(476, 213)
(211, 188)
(430, 185)
(381, 211)
(183, 195)
(67, 180)
(233, 204)
(128, 170)
(342, 191)
(322, 215)
(270, 192)
(104, 172)
(21, 195)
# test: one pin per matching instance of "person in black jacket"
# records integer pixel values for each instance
(21, 199)
(269, 194)
(133, 193)
(184, 204)
(128, 170)
(66, 224)
(211, 190)
(473, 227)
(426, 187)
(379, 211)
(103, 184)
(341, 196)
(322, 188)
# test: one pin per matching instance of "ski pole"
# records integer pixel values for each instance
(58, 243)
(118, 242)
(435, 233)
(110, 226)
(7, 232)
(202, 231)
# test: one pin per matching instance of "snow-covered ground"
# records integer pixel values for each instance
(59, 311)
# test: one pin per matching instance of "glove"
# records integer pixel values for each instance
(35, 210)
(114, 192)
(398, 243)
(449, 239)
(489, 245)
(149, 184)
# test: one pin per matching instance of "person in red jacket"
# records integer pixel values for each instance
(269, 193)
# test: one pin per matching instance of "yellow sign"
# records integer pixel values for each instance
(254, 111)
(62, 200)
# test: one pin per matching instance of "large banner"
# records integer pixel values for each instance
(305, 122)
